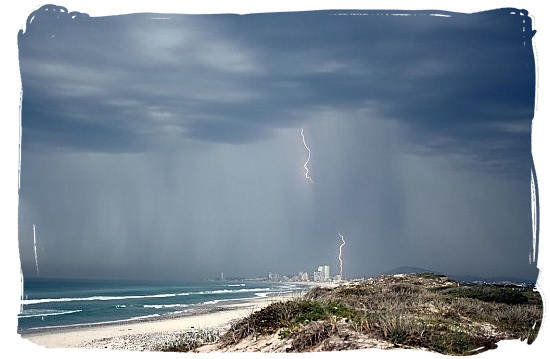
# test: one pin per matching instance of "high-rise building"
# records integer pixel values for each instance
(318, 276)
(303, 276)
(322, 274)
(325, 270)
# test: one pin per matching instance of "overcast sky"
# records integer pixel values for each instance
(169, 146)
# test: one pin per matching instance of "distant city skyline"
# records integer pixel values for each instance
(176, 147)
(318, 275)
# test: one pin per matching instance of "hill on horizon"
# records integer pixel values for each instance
(460, 278)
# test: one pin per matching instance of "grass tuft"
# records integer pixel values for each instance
(191, 340)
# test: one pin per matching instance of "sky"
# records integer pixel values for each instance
(166, 146)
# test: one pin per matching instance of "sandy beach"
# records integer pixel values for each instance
(146, 335)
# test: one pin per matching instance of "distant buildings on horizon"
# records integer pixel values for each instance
(322, 274)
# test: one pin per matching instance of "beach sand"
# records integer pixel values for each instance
(147, 335)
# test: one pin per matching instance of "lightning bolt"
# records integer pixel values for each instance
(35, 255)
(340, 255)
(308, 156)
(309, 178)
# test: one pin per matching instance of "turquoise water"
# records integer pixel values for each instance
(57, 303)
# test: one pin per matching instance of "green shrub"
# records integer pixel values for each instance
(490, 293)
(430, 275)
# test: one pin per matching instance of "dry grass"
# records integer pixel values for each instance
(191, 340)
(409, 311)
(312, 334)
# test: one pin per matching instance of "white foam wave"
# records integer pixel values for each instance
(41, 313)
(96, 323)
(216, 301)
(211, 302)
(274, 294)
(181, 311)
(225, 291)
(165, 295)
(86, 299)
(159, 306)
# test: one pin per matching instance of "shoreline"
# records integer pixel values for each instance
(198, 309)
(146, 334)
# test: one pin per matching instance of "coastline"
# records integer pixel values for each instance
(149, 333)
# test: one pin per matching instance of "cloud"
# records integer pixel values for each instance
(164, 142)
(210, 74)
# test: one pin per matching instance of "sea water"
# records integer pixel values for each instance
(58, 303)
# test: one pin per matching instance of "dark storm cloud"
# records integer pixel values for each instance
(233, 78)
(169, 145)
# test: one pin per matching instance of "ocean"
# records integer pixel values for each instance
(49, 303)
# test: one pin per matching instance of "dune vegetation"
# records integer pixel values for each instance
(415, 311)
